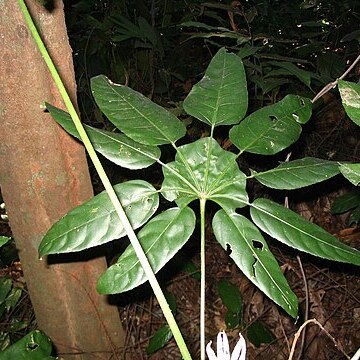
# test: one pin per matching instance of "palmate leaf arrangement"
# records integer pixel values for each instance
(203, 171)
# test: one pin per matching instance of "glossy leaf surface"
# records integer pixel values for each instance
(161, 238)
(208, 171)
(351, 172)
(220, 97)
(350, 96)
(136, 115)
(116, 147)
(293, 230)
(34, 346)
(95, 222)
(4, 240)
(272, 128)
(253, 257)
(298, 173)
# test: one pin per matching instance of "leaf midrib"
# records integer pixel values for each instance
(302, 231)
(113, 90)
(155, 241)
(112, 139)
(255, 255)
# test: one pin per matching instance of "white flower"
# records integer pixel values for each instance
(223, 350)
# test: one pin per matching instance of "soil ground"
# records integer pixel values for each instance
(328, 292)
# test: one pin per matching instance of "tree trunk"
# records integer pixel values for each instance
(43, 174)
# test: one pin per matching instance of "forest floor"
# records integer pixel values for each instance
(328, 292)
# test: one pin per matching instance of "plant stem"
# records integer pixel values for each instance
(203, 278)
(108, 187)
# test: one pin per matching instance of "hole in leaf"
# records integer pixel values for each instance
(254, 267)
(302, 102)
(257, 244)
(273, 118)
(239, 211)
(31, 346)
(296, 117)
(228, 249)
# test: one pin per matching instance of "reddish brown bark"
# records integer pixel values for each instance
(43, 174)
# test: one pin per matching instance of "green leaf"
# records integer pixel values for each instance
(222, 33)
(220, 97)
(116, 147)
(13, 298)
(204, 169)
(354, 35)
(268, 84)
(298, 173)
(330, 66)
(191, 269)
(351, 172)
(272, 128)
(96, 222)
(303, 75)
(5, 342)
(34, 346)
(355, 216)
(253, 257)
(5, 287)
(161, 238)
(346, 202)
(147, 31)
(230, 296)
(258, 334)
(171, 300)
(4, 240)
(136, 115)
(232, 319)
(199, 25)
(276, 73)
(2, 311)
(159, 340)
(16, 326)
(126, 27)
(293, 230)
(247, 50)
(350, 96)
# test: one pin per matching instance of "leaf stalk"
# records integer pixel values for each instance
(203, 278)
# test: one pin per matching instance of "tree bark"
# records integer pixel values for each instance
(43, 174)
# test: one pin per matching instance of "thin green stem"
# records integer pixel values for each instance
(203, 279)
(207, 166)
(105, 180)
(188, 168)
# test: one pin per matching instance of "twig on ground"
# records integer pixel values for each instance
(297, 335)
(306, 315)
